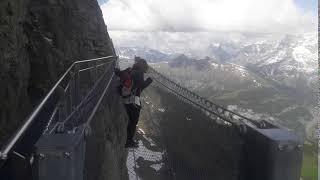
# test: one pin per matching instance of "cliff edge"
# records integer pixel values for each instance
(39, 40)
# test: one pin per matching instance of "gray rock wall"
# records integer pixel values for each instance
(39, 40)
(106, 155)
(14, 66)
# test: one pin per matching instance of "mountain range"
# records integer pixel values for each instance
(265, 79)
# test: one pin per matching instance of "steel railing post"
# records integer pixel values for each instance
(69, 101)
(95, 71)
(72, 92)
(76, 85)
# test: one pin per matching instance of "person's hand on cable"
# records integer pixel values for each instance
(149, 80)
(117, 71)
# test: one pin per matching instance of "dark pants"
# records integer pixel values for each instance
(133, 114)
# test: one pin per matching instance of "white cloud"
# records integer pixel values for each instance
(207, 15)
(193, 44)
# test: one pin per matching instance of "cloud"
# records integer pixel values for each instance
(207, 15)
(193, 44)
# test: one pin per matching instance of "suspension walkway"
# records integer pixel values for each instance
(62, 121)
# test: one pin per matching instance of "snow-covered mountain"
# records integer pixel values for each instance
(184, 61)
(224, 51)
(290, 55)
(151, 55)
(284, 56)
(267, 78)
(292, 61)
(288, 60)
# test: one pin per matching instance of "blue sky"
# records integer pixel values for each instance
(102, 1)
(308, 5)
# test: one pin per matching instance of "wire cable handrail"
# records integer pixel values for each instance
(195, 103)
(221, 111)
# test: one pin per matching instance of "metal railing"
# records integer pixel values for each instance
(71, 104)
(70, 94)
(214, 111)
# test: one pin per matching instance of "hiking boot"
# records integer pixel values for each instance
(132, 144)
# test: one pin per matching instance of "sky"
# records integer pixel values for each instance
(308, 5)
(256, 16)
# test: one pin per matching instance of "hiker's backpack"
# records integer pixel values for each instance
(125, 88)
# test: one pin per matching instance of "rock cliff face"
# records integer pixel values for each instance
(39, 40)
(105, 154)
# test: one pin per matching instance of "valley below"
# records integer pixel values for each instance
(275, 81)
